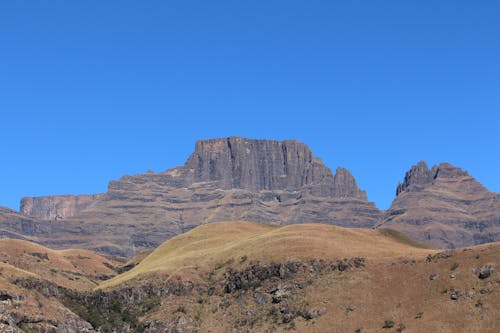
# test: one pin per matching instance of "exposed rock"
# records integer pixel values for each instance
(444, 207)
(276, 182)
(350, 308)
(486, 271)
(261, 298)
(418, 175)
(56, 207)
(433, 277)
(313, 313)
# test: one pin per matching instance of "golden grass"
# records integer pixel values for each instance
(399, 236)
(211, 244)
(59, 266)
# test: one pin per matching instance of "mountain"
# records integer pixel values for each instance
(276, 182)
(445, 207)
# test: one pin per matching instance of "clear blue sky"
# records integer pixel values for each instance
(93, 90)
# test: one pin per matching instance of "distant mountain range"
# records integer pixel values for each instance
(273, 182)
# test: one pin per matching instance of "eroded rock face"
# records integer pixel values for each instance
(230, 179)
(254, 166)
(56, 207)
(444, 207)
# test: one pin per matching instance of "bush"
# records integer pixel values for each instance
(388, 324)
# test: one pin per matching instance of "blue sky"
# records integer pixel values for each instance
(93, 90)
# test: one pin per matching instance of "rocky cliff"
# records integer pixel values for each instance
(277, 182)
(56, 207)
(257, 165)
(445, 207)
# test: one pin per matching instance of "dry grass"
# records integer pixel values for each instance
(75, 269)
(211, 244)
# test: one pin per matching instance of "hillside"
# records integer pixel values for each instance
(71, 268)
(35, 282)
(251, 277)
(207, 245)
(248, 277)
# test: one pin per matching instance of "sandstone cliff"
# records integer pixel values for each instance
(277, 182)
(56, 207)
(445, 207)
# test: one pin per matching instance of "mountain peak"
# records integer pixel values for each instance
(255, 165)
(420, 175)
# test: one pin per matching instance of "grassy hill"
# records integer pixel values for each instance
(250, 277)
(216, 243)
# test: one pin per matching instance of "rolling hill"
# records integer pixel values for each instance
(249, 277)
(34, 280)
(252, 277)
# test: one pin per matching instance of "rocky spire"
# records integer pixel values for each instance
(420, 175)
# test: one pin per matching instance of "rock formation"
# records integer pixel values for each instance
(56, 207)
(277, 182)
(445, 207)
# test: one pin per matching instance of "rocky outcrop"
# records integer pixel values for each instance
(17, 315)
(254, 166)
(56, 207)
(257, 165)
(419, 175)
(445, 207)
(277, 182)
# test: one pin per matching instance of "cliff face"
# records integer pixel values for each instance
(256, 165)
(277, 182)
(444, 206)
(56, 207)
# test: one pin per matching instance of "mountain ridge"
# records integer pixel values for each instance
(276, 182)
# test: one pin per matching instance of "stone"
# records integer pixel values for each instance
(313, 313)
(350, 308)
(486, 271)
(260, 298)
(56, 207)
